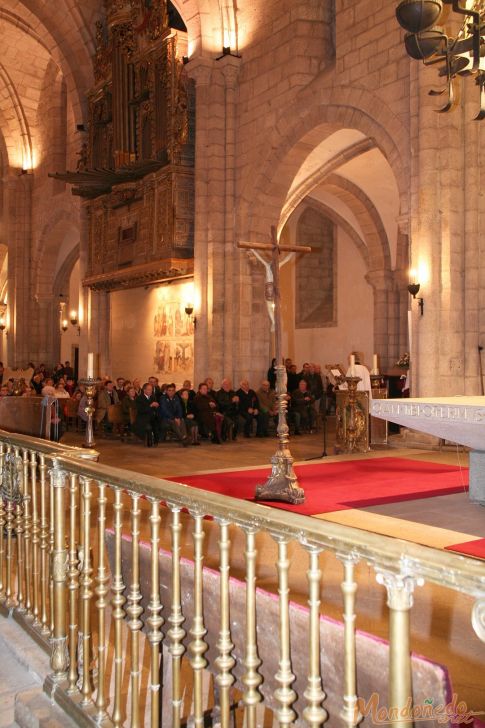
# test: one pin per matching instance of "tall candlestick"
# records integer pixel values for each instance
(90, 372)
(352, 365)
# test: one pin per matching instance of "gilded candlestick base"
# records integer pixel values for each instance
(282, 484)
(91, 385)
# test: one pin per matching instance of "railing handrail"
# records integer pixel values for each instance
(441, 567)
(46, 447)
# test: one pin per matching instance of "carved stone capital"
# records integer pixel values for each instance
(380, 280)
(200, 70)
(400, 588)
(230, 66)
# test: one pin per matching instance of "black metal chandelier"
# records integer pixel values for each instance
(459, 56)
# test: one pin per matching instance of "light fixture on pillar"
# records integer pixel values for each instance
(459, 56)
(64, 325)
(226, 51)
(73, 317)
(3, 317)
(413, 289)
(189, 310)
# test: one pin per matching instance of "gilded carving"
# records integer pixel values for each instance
(11, 479)
(59, 566)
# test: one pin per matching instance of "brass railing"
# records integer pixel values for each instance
(74, 536)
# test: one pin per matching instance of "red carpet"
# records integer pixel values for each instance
(470, 548)
(336, 486)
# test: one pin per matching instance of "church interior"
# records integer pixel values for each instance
(192, 191)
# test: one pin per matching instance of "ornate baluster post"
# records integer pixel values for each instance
(251, 678)
(73, 574)
(284, 677)
(176, 633)
(117, 602)
(155, 620)
(11, 493)
(350, 712)
(27, 526)
(134, 610)
(59, 654)
(314, 714)
(2, 524)
(198, 646)
(19, 529)
(102, 580)
(44, 546)
(400, 588)
(35, 539)
(224, 662)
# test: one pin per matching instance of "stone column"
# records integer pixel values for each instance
(23, 324)
(84, 293)
(385, 312)
(200, 69)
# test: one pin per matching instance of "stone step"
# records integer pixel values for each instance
(33, 709)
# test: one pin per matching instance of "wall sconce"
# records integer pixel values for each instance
(413, 289)
(3, 317)
(226, 51)
(75, 321)
(64, 325)
(189, 310)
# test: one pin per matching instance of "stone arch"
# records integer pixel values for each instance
(56, 231)
(205, 21)
(318, 109)
(60, 286)
(67, 36)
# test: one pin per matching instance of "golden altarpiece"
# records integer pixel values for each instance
(136, 168)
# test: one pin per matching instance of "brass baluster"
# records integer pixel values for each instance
(2, 529)
(350, 712)
(102, 590)
(52, 526)
(284, 694)
(176, 633)
(44, 545)
(19, 529)
(314, 713)
(86, 593)
(155, 620)
(197, 646)
(134, 610)
(400, 588)
(251, 678)
(35, 540)
(27, 526)
(9, 516)
(224, 661)
(59, 653)
(73, 574)
(117, 602)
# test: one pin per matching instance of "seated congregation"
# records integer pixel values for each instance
(153, 413)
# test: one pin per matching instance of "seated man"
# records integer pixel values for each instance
(205, 408)
(106, 397)
(228, 404)
(248, 406)
(172, 416)
(268, 407)
(189, 416)
(302, 410)
(146, 423)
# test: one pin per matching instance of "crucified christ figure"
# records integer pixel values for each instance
(282, 484)
(268, 267)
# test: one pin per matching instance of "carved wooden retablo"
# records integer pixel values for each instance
(136, 166)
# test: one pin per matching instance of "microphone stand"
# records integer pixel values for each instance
(324, 423)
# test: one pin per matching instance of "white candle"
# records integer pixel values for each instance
(375, 368)
(352, 365)
(90, 365)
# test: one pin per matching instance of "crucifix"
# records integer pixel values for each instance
(282, 484)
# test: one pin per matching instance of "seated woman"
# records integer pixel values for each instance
(128, 410)
(189, 416)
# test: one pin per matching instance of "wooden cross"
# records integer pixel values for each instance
(282, 484)
(276, 249)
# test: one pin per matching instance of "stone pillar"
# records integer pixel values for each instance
(99, 330)
(84, 292)
(385, 311)
(200, 69)
(22, 324)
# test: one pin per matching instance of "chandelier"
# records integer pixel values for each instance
(459, 56)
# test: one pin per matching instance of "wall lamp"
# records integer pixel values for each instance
(413, 289)
(3, 317)
(73, 317)
(189, 310)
